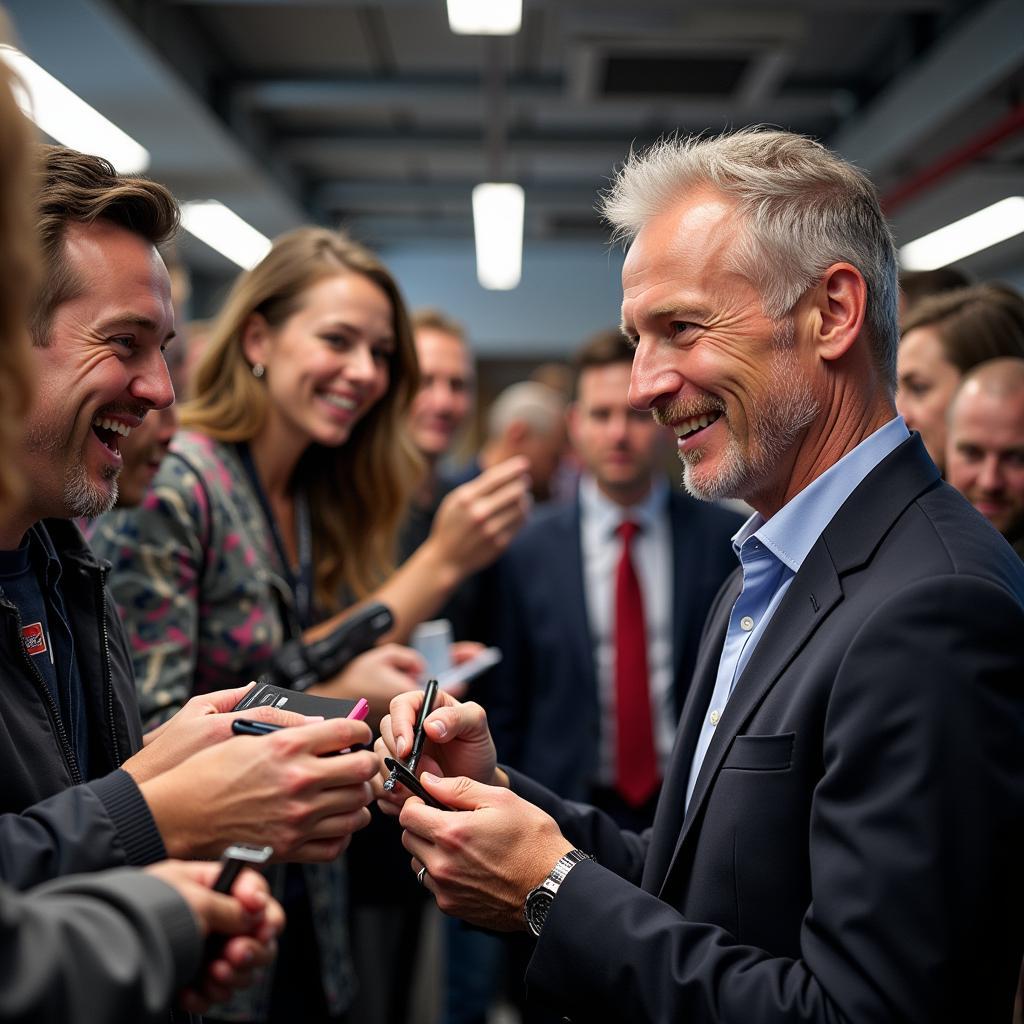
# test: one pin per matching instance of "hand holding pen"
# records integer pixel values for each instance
(406, 773)
(456, 742)
(419, 736)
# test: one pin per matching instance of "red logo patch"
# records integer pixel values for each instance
(34, 637)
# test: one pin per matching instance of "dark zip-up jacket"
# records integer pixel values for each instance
(52, 820)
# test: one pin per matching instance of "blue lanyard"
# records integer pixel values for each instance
(301, 582)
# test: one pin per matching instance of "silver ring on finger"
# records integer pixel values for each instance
(421, 874)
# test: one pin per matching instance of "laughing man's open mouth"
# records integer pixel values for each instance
(690, 426)
(110, 431)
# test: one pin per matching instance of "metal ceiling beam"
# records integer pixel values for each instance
(964, 65)
(175, 38)
(338, 92)
(322, 148)
(380, 229)
(349, 195)
(330, 95)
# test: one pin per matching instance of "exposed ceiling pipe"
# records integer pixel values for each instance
(956, 158)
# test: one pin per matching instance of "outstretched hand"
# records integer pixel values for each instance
(276, 789)
(477, 521)
(205, 720)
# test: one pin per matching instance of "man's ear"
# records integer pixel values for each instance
(572, 419)
(255, 338)
(517, 432)
(835, 309)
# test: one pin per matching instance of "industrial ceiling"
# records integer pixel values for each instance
(377, 117)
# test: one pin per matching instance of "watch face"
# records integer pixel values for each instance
(538, 903)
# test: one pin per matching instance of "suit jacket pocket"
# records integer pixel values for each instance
(761, 753)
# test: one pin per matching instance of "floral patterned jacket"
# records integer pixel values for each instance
(204, 600)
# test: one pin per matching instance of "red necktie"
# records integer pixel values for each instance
(635, 757)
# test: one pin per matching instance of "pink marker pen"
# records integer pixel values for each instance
(360, 711)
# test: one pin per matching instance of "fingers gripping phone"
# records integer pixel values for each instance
(238, 856)
(233, 860)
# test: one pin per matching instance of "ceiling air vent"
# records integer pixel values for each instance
(663, 74)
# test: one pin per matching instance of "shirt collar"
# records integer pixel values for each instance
(791, 533)
(43, 552)
(605, 514)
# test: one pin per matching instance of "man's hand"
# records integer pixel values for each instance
(483, 858)
(250, 919)
(458, 743)
(477, 521)
(379, 674)
(273, 789)
(203, 721)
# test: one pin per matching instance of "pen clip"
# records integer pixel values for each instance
(400, 773)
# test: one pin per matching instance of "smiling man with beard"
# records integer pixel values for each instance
(839, 833)
(81, 791)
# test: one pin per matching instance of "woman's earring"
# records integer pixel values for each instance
(258, 369)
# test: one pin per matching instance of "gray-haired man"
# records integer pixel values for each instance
(839, 832)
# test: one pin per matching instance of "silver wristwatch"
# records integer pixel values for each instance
(539, 900)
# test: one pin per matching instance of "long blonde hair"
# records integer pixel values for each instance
(19, 273)
(358, 491)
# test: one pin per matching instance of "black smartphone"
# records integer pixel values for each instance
(411, 783)
(269, 695)
(234, 858)
(240, 855)
(298, 665)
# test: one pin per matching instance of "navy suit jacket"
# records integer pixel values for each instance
(542, 699)
(853, 846)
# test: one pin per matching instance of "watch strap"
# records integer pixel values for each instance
(539, 899)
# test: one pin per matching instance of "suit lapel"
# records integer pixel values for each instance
(681, 593)
(569, 554)
(685, 555)
(669, 817)
(847, 542)
(812, 595)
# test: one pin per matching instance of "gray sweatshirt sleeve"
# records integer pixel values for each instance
(109, 947)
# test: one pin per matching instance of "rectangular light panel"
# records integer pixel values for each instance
(963, 237)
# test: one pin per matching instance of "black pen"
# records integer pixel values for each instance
(419, 736)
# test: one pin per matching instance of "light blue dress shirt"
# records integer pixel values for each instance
(771, 553)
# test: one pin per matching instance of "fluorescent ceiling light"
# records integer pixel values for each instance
(222, 229)
(963, 237)
(485, 17)
(68, 118)
(498, 228)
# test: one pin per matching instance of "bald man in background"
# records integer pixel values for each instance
(526, 419)
(985, 453)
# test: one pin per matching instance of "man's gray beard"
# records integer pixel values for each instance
(82, 497)
(789, 408)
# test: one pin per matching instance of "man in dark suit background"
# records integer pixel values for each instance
(558, 704)
(839, 835)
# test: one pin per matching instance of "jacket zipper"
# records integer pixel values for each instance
(108, 686)
(51, 704)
